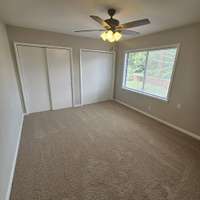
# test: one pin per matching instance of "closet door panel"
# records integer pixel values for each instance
(59, 69)
(97, 76)
(33, 69)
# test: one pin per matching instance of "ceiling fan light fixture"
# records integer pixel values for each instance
(117, 36)
(111, 36)
(104, 36)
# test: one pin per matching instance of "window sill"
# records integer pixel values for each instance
(166, 100)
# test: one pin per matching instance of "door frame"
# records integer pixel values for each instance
(81, 75)
(22, 88)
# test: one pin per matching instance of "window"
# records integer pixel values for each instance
(150, 71)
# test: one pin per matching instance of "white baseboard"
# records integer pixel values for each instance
(160, 120)
(77, 105)
(14, 161)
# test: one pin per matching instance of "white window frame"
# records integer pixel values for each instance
(166, 99)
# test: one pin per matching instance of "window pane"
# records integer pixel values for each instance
(150, 71)
(158, 71)
(135, 70)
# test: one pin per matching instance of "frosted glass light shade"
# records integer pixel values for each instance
(111, 36)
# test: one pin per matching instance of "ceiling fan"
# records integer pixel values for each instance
(112, 29)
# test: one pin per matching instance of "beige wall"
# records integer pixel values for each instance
(184, 91)
(186, 84)
(10, 115)
(19, 34)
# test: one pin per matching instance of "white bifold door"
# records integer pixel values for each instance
(35, 81)
(97, 75)
(45, 75)
(59, 78)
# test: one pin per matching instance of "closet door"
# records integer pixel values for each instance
(33, 74)
(97, 76)
(59, 68)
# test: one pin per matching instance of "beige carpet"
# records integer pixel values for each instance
(104, 151)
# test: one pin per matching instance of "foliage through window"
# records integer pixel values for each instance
(150, 71)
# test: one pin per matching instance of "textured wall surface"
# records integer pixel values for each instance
(185, 87)
(10, 115)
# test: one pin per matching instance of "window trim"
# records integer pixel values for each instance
(177, 45)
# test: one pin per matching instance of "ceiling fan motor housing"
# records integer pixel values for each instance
(111, 21)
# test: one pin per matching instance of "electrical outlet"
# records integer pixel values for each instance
(149, 107)
(178, 106)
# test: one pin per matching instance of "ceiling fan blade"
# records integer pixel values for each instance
(100, 21)
(135, 23)
(90, 30)
(129, 32)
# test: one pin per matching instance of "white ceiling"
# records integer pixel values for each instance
(65, 16)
